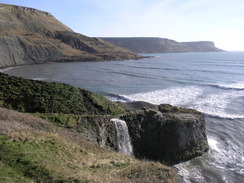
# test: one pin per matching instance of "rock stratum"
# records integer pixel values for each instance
(29, 36)
(162, 45)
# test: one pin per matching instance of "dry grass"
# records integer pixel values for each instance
(62, 155)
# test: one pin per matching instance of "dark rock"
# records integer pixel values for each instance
(169, 134)
(162, 133)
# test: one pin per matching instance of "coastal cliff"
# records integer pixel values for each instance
(161, 45)
(166, 133)
(163, 133)
(29, 36)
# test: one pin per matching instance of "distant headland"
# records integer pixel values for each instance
(161, 45)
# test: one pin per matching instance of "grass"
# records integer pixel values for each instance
(46, 158)
(7, 175)
(34, 150)
(63, 120)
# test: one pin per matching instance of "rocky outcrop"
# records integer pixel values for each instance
(161, 133)
(168, 134)
(29, 36)
(162, 45)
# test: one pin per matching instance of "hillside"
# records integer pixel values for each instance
(29, 36)
(55, 148)
(33, 150)
(44, 97)
(161, 45)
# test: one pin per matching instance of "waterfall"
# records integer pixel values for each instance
(123, 137)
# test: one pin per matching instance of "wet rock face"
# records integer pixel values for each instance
(98, 129)
(169, 134)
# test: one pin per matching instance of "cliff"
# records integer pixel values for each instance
(71, 116)
(162, 45)
(29, 36)
(166, 133)
(162, 133)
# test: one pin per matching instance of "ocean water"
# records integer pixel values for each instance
(212, 83)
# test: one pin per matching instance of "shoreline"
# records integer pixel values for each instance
(2, 68)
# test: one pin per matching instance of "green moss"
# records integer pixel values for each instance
(45, 97)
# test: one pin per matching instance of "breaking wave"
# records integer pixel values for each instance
(211, 104)
(236, 86)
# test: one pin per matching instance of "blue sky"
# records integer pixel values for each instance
(221, 21)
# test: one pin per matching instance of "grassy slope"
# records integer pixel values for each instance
(43, 97)
(33, 150)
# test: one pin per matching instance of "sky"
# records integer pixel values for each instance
(221, 21)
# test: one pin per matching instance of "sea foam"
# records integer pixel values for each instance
(193, 97)
(173, 96)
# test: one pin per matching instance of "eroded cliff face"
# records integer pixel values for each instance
(162, 133)
(29, 36)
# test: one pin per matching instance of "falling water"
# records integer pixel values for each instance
(123, 137)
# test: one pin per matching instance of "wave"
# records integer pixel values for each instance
(7, 69)
(173, 96)
(223, 153)
(226, 153)
(117, 98)
(40, 79)
(236, 86)
(139, 75)
(215, 105)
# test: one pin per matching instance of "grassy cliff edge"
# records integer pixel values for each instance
(35, 150)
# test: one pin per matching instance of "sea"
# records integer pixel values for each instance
(212, 83)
